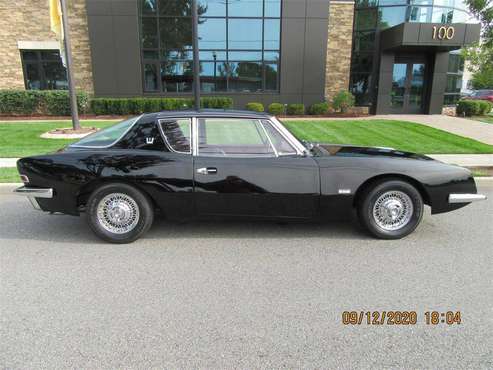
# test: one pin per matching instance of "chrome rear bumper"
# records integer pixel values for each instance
(33, 193)
(465, 198)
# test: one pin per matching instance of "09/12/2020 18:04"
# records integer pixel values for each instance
(224, 164)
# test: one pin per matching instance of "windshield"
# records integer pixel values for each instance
(107, 136)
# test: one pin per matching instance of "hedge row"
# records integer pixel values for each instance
(118, 106)
(57, 103)
(45, 102)
(473, 107)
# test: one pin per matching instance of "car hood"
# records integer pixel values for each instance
(324, 150)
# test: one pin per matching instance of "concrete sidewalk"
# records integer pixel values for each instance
(8, 162)
(466, 160)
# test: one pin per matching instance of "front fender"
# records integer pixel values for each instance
(343, 178)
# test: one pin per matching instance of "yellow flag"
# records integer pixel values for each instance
(56, 25)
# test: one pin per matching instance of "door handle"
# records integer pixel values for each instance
(207, 170)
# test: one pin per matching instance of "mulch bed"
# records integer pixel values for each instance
(70, 130)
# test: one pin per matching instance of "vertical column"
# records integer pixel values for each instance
(385, 83)
(438, 83)
(339, 47)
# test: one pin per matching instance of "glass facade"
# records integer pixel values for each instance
(239, 45)
(373, 16)
(43, 70)
(454, 78)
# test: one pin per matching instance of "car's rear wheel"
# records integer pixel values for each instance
(391, 209)
(119, 213)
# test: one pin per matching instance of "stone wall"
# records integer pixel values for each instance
(339, 46)
(28, 20)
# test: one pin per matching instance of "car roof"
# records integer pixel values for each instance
(226, 113)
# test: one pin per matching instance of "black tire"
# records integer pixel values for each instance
(140, 213)
(387, 188)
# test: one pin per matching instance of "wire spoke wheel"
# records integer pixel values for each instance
(118, 213)
(393, 210)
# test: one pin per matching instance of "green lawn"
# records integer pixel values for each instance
(401, 135)
(9, 175)
(22, 139)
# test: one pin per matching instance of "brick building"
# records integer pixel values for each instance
(396, 56)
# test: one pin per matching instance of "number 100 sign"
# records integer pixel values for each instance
(443, 32)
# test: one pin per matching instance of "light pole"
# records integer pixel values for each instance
(214, 55)
(196, 62)
(68, 61)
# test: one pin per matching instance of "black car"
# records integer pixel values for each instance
(209, 163)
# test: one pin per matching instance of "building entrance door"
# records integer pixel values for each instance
(408, 87)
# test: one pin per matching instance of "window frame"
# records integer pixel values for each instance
(38, 62)
(167, 143)
(275, 126)
(136, 120)
(264, 62)
(258, 121)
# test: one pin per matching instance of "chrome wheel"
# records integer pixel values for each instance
(393, 210)
(118, 213)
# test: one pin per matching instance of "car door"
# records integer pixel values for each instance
(238, 171)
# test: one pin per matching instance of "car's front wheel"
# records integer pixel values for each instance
(391, 209)
(119, 213)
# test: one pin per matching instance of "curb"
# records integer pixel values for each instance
(8, 188)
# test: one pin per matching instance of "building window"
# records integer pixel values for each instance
(43, 70)
(454, 78)
(239, 45)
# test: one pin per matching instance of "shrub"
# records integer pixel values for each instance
(125, 106)
(18, 101)
(275, 109)
(57, 102)
(468, 108)
(256, 107)
(216, 102)
(342, 101)
(98, 106)
(135, 105)
(295, 109)
(318, 109)
(43, 102)
(485, 107)
(152, 105)
(117, 106)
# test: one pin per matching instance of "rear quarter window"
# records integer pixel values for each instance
(107, 136)
(144, 136)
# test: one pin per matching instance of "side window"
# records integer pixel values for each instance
(283, 147)
(177, 134)
(232, 136)
(144, 135)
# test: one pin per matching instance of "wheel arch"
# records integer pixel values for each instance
(367, 184)
(86, 190)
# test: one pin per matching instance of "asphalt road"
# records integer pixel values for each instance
(235, 295)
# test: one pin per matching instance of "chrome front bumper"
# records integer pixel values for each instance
(33, 193)
(465, 198)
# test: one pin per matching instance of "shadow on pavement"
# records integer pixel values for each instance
(20, 221)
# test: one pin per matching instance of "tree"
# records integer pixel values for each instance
(480, 63)
(480, 56)
(483, 11)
